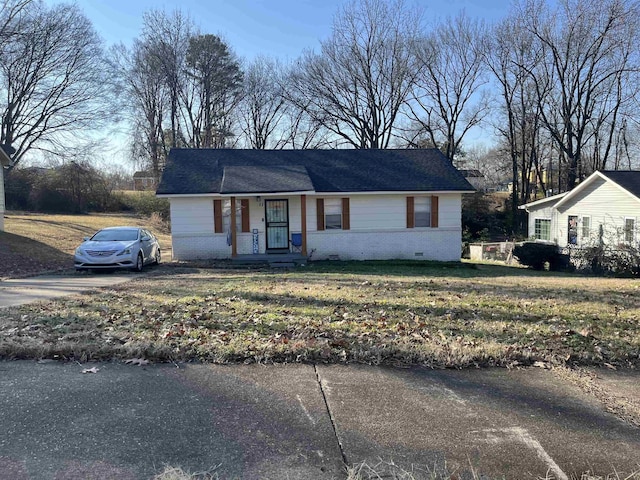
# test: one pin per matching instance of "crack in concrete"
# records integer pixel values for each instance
(330, 413)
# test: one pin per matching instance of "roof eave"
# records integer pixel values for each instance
(311, 192)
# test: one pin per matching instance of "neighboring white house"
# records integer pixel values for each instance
(5, 161)
(604, 207)
(344, 204)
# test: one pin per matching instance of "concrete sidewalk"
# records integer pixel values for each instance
(300, 422)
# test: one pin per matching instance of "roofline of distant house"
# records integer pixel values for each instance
(590, 179)
(553, 198)
(5, 159)
(309, 192)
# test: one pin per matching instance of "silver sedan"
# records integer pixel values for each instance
(118, 247)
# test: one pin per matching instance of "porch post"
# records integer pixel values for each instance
(303, 219)
(234, 241)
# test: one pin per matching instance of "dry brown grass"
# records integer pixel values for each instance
(38, 242)
(368, 312)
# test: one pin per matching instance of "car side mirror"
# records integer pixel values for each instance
(84, 239)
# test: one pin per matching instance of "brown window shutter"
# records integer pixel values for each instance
(244, 211)
(410, 213)
(320, 213)
(217, 216)
(346, 218)
(434, 211)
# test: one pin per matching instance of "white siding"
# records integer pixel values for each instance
(605, 203)
(378, 230)
(602, 201)
(546, 212)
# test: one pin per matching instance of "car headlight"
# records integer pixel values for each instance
(126, 251)
(79, 251)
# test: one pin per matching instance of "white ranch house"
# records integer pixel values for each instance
(323, 204)
(604, 207)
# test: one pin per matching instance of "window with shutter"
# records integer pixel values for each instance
(332, 213)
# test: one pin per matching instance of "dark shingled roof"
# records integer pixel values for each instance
(629, 180)
(287, 178)
(194, 171)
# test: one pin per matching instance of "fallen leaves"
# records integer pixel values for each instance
(140, 362)
(258, 317)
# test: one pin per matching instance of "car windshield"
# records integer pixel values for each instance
(116, 235)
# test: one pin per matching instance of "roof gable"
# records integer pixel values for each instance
(220, 171)
(619, 178)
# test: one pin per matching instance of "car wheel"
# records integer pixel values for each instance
(157, 259)
(139, 263)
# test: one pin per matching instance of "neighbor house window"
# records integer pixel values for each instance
(422, 212)
(332, 213)
(586, 227)
(629, 230)
(543, 229)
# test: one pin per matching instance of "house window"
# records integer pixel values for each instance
(226, 215)
(332, 213)
(629, 230)
(586, 227)
(422, 212)
(543, 229)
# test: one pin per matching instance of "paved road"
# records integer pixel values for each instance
(300, 422)
(20, 291)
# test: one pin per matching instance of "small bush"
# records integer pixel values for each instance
(144, 203)
(619, 260)
(537, 255)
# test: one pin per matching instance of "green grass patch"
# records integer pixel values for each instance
(452, 315)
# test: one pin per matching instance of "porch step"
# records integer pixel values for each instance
(282, 264)
(287, 260)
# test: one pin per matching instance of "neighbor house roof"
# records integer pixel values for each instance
(626, 180)
(542, 201)
(5, 155)
(629, 180)
(225, 171)
(143, 174)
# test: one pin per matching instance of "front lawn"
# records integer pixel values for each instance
(38, 242)
(406, 313)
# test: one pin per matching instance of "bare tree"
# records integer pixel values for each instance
(357, 84)
(9, 10)
(146, 99)
(53, 78)
(518, 120)
(166, 39)
(447, 99)
(589, 56)
(263, 107)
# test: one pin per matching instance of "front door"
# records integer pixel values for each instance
(572, 230)
(277, 225)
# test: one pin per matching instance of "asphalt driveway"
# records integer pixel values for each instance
(25, 290)
(302, 422)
